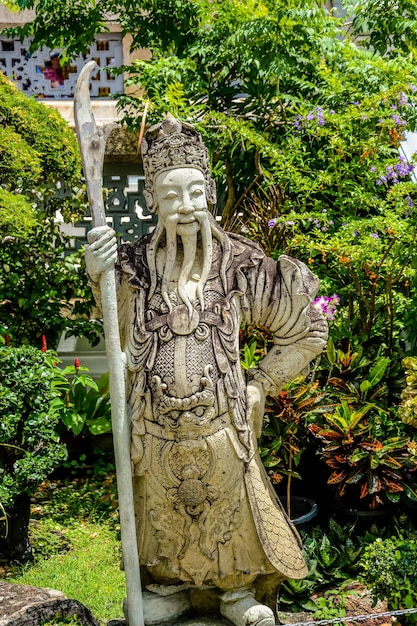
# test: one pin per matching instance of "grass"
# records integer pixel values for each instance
(76, 544)
(89, 571)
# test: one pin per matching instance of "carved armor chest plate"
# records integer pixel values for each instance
(190, 363)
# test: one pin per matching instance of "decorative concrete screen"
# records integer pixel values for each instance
(30, 71)
(125, 210)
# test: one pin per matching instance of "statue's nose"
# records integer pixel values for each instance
(186, 208)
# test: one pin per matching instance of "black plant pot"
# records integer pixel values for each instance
(346, 512)
(15, 545)
(303, 511)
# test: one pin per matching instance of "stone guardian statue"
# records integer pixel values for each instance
(210, 529)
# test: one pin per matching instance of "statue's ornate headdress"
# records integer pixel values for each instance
(170, 145)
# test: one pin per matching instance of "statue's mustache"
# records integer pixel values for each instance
(189, 245)
(207, 233)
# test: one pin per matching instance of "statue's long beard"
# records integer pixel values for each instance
(189, 244)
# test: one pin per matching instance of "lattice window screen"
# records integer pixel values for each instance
(26, 70)
(125, 209)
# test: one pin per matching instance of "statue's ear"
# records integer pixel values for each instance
(150, 201)
(211, 191)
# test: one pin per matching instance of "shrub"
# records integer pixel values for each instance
(390, 571)
(408, 406)
(43, 290)
(29, 444)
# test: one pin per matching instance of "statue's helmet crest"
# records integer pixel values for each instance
(170, 145)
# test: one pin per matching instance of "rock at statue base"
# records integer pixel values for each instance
(23, 605)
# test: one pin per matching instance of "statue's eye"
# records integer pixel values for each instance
(196, 193)
(170, 195)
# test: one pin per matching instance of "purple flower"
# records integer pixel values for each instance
(413, 87)
(402, 99)
(318, 115)
(298, 122)
(375, 235)
(355, 233)
(271, 223)
(394, 107)
(397, 119)
(402, 167)
(290, 223)
(332, 112)
(327, 305)
(372, 169)
(409, 201)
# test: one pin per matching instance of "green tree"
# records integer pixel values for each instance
(304, 127)
(41, 291)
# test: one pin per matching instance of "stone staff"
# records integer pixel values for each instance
(92, 142)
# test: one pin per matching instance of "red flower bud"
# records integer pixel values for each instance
(77, 363)
(44, 344)
(7, 340)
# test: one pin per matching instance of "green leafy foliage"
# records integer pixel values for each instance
(374, 469)
(284, 433)
(84, 405)
(29, 444)
(10, 205)
(332, 557)
(389, 26)
(43, 291)
(37, 138)
(71, 25)
(302, 125)
(407, 409)
(304, 129)
(389, 567)
(370, 453)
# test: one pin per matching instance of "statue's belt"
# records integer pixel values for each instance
(193, 431)
(180, 321)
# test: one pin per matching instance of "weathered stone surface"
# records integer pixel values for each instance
(23, 605)
(187, 621)
(206, 514)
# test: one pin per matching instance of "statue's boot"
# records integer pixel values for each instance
(159, 609)
(240, 607)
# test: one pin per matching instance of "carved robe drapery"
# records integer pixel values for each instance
(206, 513)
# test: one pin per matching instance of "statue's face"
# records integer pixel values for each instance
(179, 194)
